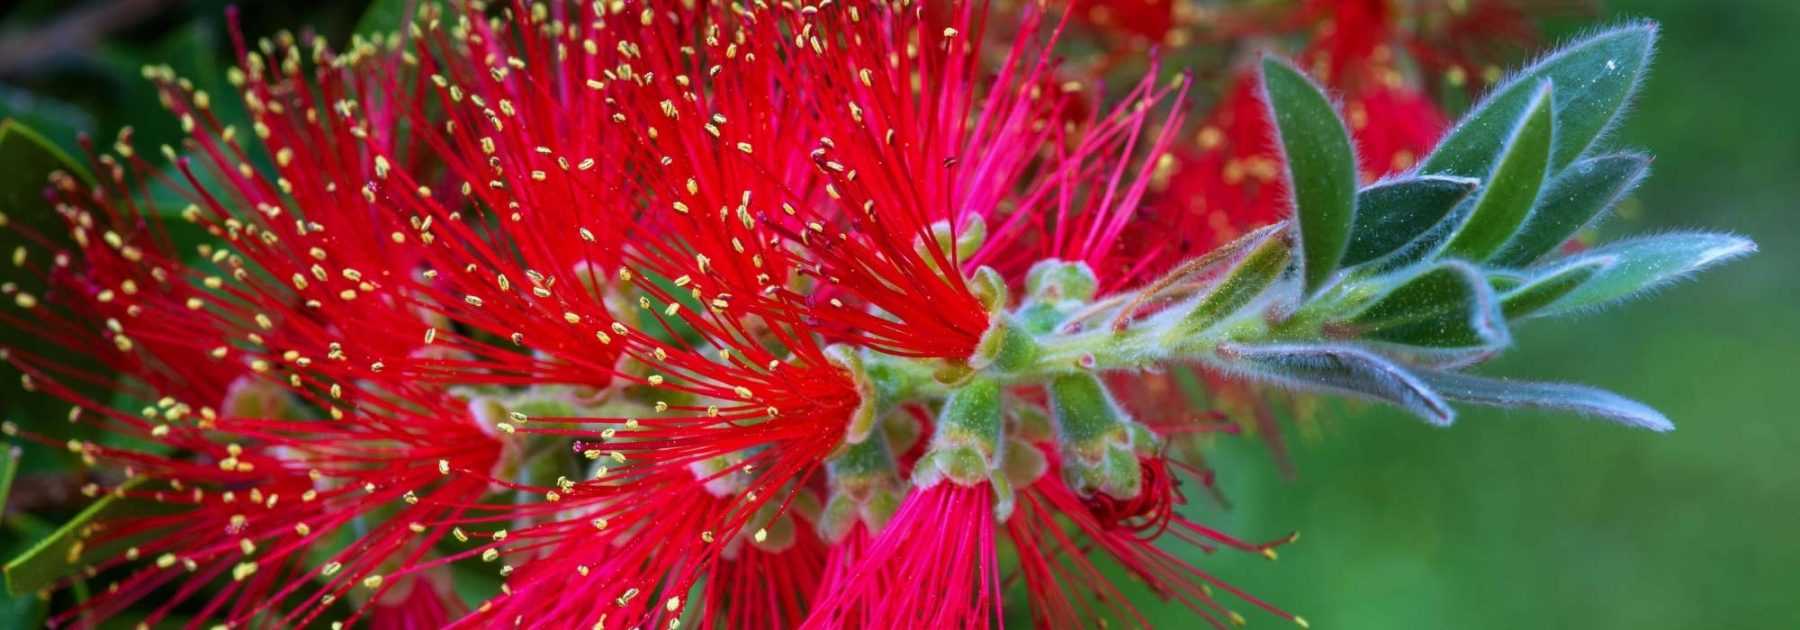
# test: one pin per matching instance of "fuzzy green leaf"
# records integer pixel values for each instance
(1512, 189)
(1391, 214)
(1449, 305)
(1538, 292)
(1572, 200)
(1588, 401)
(1595, 77)
(1503, 281)
(1321, 168)
(1337, 369)
(1240, 286)
(1634, 266)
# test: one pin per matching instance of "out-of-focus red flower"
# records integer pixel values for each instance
(1150, 20)
(577, 292)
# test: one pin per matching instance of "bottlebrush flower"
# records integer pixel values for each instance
(918, 573)
(275, 468)
(769, 315)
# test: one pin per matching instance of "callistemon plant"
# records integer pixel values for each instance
(835, 314)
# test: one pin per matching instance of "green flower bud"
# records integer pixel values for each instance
(1095, 437)
(1052, 280)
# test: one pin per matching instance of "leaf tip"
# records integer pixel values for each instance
(1730, 246)
(1632, 413)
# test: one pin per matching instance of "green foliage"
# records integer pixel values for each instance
(9, 469)
(1449, 305)
(1424, 294)
(1632, 267)
(1594, 77)
(1546, 288)
(1588, 401)
(1321, 169)
(1252, 275)
(1339, 369)
(1511, 190)
(1410, 206)
(1395, 326)
(27, 159)
(1574, 200)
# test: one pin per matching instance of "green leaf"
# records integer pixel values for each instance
(1425, 246)
(1508, 194)
(23, 611)
(9, 468)
(56, 556)
(1588, 401)
(59, 121)
(1337, 369)
(1391, 214)
(26, 160)
(1595, 78)
(1541, 291)
(1503, 281)
(1449, 305)
(1634, 266)
(1572, 200)
(1321, 168)
(1240, 286)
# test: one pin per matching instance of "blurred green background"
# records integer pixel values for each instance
(1506, 520)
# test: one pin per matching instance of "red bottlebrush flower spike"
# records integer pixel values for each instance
(1127, 531)
(895, 161)
(771, 315)
(920, 573)
(1083, 210)
(709, 473)
(768, 582)
(344, 501)
(732, 472)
